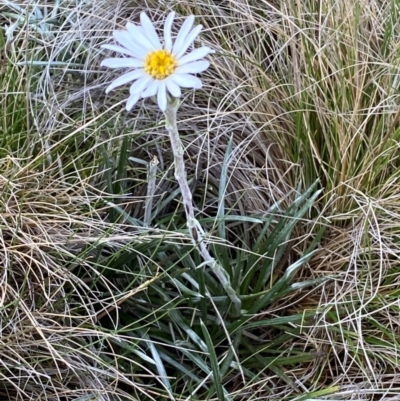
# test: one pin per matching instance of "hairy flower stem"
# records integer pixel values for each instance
(195, 229)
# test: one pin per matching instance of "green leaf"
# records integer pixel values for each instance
(216, 375)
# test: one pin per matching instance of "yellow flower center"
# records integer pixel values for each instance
(160, 64)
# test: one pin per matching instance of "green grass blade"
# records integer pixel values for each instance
(216, 374)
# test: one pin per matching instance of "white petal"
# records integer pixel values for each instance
(149, 31)
(186, 81)
(126, 40)
(193, 68)
(173, 88)
(195, 55)
(140, 38)
(125, 78)
(118, 49)
(138, 86)
(132, 100)
(188, 40)
(183, 32)
(122, 63)
(167, 31)
(151, 89)
(162, 96)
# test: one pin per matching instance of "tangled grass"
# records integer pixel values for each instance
(292, 157)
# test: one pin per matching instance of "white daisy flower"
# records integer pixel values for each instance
(156, 68)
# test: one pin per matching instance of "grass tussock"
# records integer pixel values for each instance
(292, 157)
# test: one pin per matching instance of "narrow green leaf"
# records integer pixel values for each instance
(222, 190)
(216, 376)
(158, 362)
(182, 368)
(120, 182)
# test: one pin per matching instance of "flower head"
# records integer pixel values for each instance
(157, 68)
